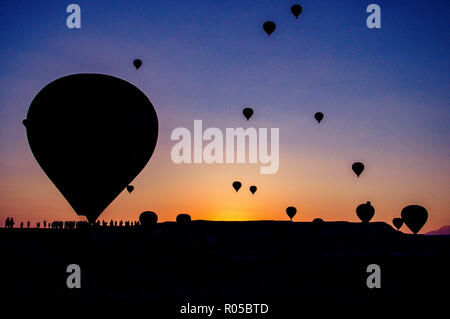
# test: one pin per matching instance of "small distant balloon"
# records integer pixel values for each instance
(365, 212)
(269, 27)
(183, 219)
(398, 222)
(358, 168)
(137, 63)
(317, 220)
(130, 188)
(248, 112)
(414, 216)
(237, 185)
(296, 9)
(148, 219)
(318, 116)
(253, 189)
(291, 211)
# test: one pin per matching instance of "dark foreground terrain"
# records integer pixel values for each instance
(282, 264)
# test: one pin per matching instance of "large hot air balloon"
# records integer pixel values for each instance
(358, 168)
(148, 219)
(269, 27)
(253, 189)
(365, 212)
(291, 211)
(296, 9)
(398, 223)
(237, 185)
(92, 134)
(318, 116)
(137, 63)
(248, 112)
(130, 188)
(414, 216)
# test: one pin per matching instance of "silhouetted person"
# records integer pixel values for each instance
(45, 224)
(111, 223)
(7, 222)
(121, 224)
(28, 224)
(21, 224)
(11, 222)
(38, 225)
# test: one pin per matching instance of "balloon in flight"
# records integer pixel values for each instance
(365, 212)
(291, 211)
(94, 142)
(358, 168)
(253, 189)
(318, 116)
(137, 63)
(296, 9)
(398, 223)
(237, 185)
(130, 188)
(248, 112)
(414, 216)
(269, 27)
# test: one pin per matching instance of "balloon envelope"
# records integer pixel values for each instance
(269, 27)
(137, 63)
(358, 168)
(183, 219)
(318, 116)
(414, 216)
(92, 134)
(291, 211)
(296, 9)
(248, 112)
(398, 223)
(365, 212)
(253, 189)
(148, 219)
(237, 185)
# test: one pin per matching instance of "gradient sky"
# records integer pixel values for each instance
(384, 93)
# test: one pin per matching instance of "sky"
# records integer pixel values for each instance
(384, 93)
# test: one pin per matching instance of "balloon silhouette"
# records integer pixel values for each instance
(398, 222)
(414, 217)
(253, 189)
(248, 112)
(358, 168)
(296, 9)
(237, 185)
(148, 219)
(92, 143)
(183, 219)
(365, 212)
(291, 211)
(137, 63)
(130, 188)
(318, 116)
(269, 27)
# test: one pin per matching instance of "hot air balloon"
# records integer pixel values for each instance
(148, 219)
(248, 112)
(291, 211)
(237, 185)
(365, 212)
(137, 63)
(253, 189)
(296, 9)
(398, 223)
(358, 168)
(130, 188)
(318, 116)
(91, 144)
(414, 216)
(269, 27)
(183, 219)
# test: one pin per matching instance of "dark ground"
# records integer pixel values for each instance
(282, 264)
